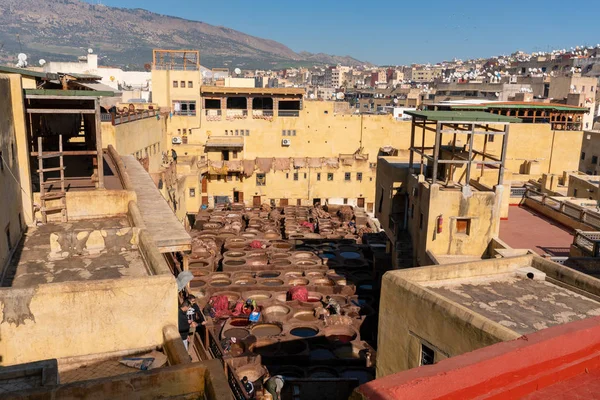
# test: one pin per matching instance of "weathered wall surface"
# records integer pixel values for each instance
(92, 204)
(11, 208)
(79, 318)
(411, 315)
(142, 138)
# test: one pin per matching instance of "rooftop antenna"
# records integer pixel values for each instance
(22, 63)
(42, 62)
(90, 51)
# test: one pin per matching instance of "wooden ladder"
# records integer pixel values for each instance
(62, 196)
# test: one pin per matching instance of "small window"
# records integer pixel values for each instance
(226, 132)
(179, 132)
(235, 155)
(305, 175)
(574, 192)
(185, 131)
(175, 84)
(295, 176)
(299, 202)
(287, 175)
(190, 84)
(329, 176)
(183, 84)
(594, 160)
(345, 201)
(261, 180)
(347, 176)
(318, 176)
(294, 132)
(491, 138)
(237, 132)
(427, 355)
(284, 133)
(583, 155)
(359, 176)
(463, 226)
(247, 132)
(192, 192)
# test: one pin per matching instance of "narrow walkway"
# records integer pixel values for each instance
(168, 233)
(525, 229)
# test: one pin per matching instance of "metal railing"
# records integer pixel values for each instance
(288, 113)
(185, 113)
(589, 242)
(517, 192)
(262, 113)
(117, 119)
(212, 112)
(573, 211)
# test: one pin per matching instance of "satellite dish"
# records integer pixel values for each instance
(237, 71)
(90, 51)
(42, 62)
(340, 96)
(112, 78)
(312, 95)
(395, 101)
(22, 57)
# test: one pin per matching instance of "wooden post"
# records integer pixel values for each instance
(436, 151)
(503, 154)
(468, 182)
(422, 149)
(412, 145)
(100, 155)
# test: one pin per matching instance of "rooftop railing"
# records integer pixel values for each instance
(580, 214)
(589, 242)
(288, 113)
(117, 119)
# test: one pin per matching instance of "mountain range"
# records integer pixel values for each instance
(60, 30)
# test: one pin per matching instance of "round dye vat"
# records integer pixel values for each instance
(236, 333)
(362, 375)
(220, 283)
(345, 352)
(234, 263)
(366, 287)
(266, 330)
(293, 347)
(259, 296)
(323, 373)
(237, 349)
(305, 316)
(304, 332)
(272, 282)
(321, 354)
(197, 283)
(298, 282)
(268, 275)
(327, 255)
(343, 339)
(277, 311)
(291, 372)
(351, 255)
(239, 322)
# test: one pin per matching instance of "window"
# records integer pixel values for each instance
(183, 84)
(261, 180)
(359, 176)
(427, 355)
(235, 154)
(229, 177)
(345, 201)
(574, 192)
(294, 132)
(284, 133)
(186, 108)
(192, 192)
(287, 175)
(463, 226)
(190, 84)
(179, 132)
(299, 202)
(237, 132)
(594, 160)
(347, 176)
(583, 155)
(305, 175)
(329, 176)
(247, 132)
(175, 84)
(491, 138)
(318, 176)
(185, 131)
(295, 176)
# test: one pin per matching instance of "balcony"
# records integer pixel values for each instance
(262, 114)
(117, 119)
(213, 115)
(233, 114)
(288, 113)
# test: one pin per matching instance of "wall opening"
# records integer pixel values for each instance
(427, 355)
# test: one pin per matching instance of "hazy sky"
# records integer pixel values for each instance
(392, 32)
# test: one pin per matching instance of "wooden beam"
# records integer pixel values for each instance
(99, 146)
(72, 153)
(58, 111)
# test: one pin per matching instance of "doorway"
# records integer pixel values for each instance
(237, 196)
(256, 201)
(316, 201)
(283, 202)
(361, 202)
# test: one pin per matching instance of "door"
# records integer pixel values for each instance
(370, 207)
(204, 200)
(361, 202)
(241, 197)
(256, 201)
(283, 202)
(298, 202)
(204, 185)
(236, 197)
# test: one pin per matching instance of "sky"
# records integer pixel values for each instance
(397, 32)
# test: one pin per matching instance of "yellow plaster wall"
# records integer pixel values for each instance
(145, 137)
(91, 204)
(79, 318)
(585, 189)
(11, 207)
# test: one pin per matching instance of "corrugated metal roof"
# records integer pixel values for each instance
(96, 86)
(225, 141)
(464, 116)
(27, 72)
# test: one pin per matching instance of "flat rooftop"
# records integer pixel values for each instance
(76, 251)
(525, 229)
(461, 116)
(521, 304)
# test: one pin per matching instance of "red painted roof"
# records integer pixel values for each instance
(545, 364)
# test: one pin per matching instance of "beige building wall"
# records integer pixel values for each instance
(584, 187)
(141, 138)
(73, 319)
(589, 159)
(11, 207)
(480, 210)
